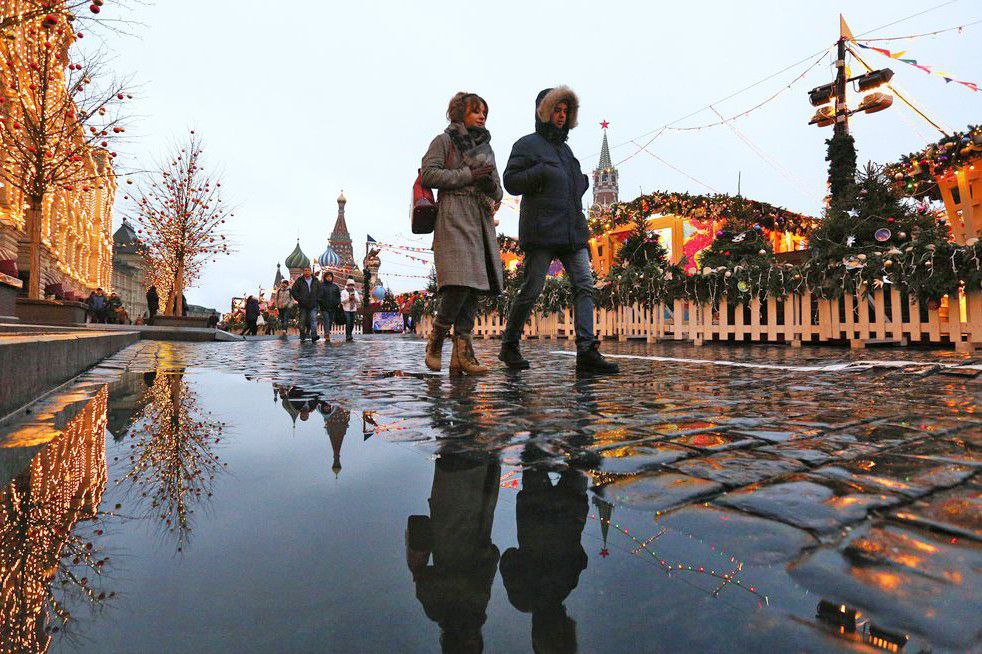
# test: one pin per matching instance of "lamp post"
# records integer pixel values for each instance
(838, 113)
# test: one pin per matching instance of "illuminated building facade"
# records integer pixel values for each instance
(76, 225)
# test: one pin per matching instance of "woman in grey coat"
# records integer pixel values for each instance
(460, 165)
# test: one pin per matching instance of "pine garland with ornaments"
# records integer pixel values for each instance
(718, 207)
(916, 173)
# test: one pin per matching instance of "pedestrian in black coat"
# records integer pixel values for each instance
(328, 303)
(153, 303)
(252, 313)
(305, 292)
(551, 225)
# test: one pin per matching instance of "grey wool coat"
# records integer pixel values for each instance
(465, 247)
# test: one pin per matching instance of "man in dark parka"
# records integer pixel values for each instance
(306, 291)
(543, 170)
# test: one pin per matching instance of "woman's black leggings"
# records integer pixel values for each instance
(458, 304)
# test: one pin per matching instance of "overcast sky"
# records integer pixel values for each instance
(299, 100)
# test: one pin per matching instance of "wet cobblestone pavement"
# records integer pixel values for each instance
(705, 499)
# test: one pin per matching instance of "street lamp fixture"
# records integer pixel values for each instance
(875, 102)
(822, 95)
(874, 79)
(824, 117)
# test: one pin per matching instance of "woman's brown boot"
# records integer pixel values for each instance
(434, 346)
(464, 360)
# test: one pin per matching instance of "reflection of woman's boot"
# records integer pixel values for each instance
(463, 360)
(434, 346)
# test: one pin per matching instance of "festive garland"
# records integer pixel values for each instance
(714, 207)
(916, 173)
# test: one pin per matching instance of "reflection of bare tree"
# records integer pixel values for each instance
(48, 568)
(173, 465)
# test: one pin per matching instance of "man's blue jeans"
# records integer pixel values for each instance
(308, 322)
(580, 274)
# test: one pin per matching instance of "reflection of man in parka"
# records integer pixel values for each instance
(545, 568)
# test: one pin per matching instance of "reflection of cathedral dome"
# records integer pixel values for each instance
(297, 258)
(329, 258)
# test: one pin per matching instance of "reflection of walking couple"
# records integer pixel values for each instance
(539, 574)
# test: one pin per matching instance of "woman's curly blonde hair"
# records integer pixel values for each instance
(461, 103)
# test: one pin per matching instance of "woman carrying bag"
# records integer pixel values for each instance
(460, 165)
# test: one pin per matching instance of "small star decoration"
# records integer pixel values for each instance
(604, 553)
(604, 124)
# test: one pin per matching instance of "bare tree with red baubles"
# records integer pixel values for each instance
(58, 118)
(180, 217)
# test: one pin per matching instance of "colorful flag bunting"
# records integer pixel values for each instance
(913, 62)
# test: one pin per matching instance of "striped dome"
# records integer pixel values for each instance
(329, 258)
(297, 259)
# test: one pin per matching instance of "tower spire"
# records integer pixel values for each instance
(340, 240)
(605, 188)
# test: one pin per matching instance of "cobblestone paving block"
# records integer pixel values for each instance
(714, 441)
(752, 540)
(641, 458)
(903, 580)
(657, 491)
(738, 468)
(892, 473)
(880, 435)
(820, 505)
(816, 451)
(957, 511)
(948, 449)
(774, 435)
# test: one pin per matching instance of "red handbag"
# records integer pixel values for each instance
(424, 207)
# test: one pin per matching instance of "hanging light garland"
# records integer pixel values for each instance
(916, 174)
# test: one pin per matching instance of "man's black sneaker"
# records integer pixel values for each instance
(315, 338)
(592, 361)
(512, 357)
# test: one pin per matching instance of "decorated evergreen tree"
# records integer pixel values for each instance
(842, 167)
(642, 247)
(740, 241)
(874, 237)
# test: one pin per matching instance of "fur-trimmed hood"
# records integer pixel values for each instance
(547, 100)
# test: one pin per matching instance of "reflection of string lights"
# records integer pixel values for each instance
(727, 578)
(39, 511)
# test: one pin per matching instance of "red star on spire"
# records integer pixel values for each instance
(604, 124)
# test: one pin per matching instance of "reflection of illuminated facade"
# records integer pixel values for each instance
(849, 624)
(38, 511)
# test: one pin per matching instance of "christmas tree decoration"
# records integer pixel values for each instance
(182, 219)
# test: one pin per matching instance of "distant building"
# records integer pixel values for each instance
(129, 273)
(605, 187)
(338, 256)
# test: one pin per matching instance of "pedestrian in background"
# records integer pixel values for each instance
(350, 303)
(252, 313)
(305, 291)
(283, 301)
(460, 164)
(328, 302)
(98, 305)
(153, 303)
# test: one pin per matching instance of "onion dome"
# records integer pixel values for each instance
(329, 258)
(297, 258)
(341, 198)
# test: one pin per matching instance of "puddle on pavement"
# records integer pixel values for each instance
(181, 500)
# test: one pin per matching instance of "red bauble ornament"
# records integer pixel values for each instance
(94, 8)
(50, 20)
